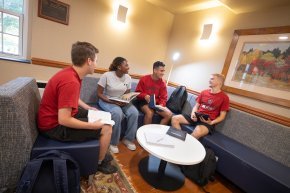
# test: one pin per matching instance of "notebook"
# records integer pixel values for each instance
(179, 134)
(105, 117)
(155, 138)
(125, 98)
(152, 104)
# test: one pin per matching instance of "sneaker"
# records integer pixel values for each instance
(130, 145)
(114, 149)
(216, 158)
(107, 168)
(108, 157)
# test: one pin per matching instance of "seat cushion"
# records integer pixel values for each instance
(188, 128)
(249, 169)
(86, 153)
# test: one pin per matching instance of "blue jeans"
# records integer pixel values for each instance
(118, 114)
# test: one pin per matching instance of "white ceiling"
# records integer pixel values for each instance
(236, 6)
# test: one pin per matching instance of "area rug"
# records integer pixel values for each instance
(108, 183)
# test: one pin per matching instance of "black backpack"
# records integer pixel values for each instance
(204, 171)
(177, 99)
(52, 171)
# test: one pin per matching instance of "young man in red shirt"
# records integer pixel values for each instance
(212, 102)
(63, 115)
(149, 85)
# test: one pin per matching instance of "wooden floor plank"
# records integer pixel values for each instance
(129, 160)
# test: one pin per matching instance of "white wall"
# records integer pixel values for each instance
(142, 40)
(198, 61)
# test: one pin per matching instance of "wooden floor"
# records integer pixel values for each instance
(129, 160)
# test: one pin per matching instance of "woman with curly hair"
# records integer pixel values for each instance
(115, 83)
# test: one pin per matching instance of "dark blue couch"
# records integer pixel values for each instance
(252, 152)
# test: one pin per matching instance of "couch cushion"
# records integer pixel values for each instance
(189, 104)
(133, 86)
(170, 90)
(86, 153)
(89, 90)
(246, 163)
(258, 134)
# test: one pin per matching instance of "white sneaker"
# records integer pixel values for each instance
(130, 145)
(216, 158)
(114, 149)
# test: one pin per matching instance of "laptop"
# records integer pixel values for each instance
(152, 104)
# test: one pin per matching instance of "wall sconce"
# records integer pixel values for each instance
(122, 13)
(206, 32)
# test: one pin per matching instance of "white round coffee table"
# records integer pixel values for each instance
(159, 169)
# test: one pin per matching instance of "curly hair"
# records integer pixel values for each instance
(81, 51)
(116, 63)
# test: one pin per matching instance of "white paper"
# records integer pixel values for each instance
(158, 139)
(105, 117)
(125, 98)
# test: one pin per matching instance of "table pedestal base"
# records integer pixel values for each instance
(160, 174)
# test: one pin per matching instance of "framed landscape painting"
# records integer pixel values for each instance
(258, 64)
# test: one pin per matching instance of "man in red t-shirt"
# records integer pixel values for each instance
(63, 115)
(149, 85)
(212, 102)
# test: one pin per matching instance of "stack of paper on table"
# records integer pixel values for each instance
(105, 117)
(158, 139)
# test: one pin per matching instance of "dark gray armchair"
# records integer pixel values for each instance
(19, 139)
(18, 129)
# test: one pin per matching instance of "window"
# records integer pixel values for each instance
(11, 29)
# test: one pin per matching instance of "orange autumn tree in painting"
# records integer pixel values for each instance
(265, 65)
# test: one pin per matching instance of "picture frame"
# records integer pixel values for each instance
(54, 10)
(257, 65)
